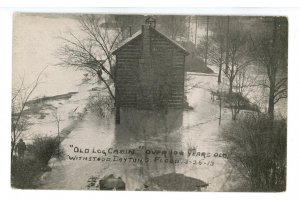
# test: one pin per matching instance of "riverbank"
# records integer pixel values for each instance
(43, 130)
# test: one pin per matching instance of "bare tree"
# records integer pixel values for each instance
(196, 28)
(215, 53)
(20, 97)
(57, 119)
(189, 27)
(270, 51)
(216, 45)
(227, 45)
(128, 24)
(244, 84)
(172, 25)
(238, 54)
(93, 51)
(207, 39)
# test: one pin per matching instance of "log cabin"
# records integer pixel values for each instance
(149, 72)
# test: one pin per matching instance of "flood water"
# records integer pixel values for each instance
(190, 141)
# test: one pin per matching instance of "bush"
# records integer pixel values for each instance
(258, 151)
(25, 172)
(101, 105)
(44, 148)
(236, 102)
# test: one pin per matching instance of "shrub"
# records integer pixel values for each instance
(258, 151)
(44, 148)
(235, 101)
(101, 105)
(24, 172)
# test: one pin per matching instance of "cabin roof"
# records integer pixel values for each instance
(139, 33)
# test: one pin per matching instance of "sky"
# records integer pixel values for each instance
(35, 42)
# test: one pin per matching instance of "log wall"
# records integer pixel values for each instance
(162, 79)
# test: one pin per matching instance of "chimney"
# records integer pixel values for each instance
(146, 42)
(150, 22)
(146, 74)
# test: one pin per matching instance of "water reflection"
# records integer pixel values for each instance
(156, 138)
(147, 125)
(143, 130)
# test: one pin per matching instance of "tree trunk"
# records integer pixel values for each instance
(123, 36)
(117, 105)
(118, 115)
(189, 28)
(227, 47)
(271, 100)
(234, 115)
(220, 73)
(272, 72)
(58, 129)
(196, 32)
(220, 104)
(230, 86)
(220, 64)
(12, 151)
(206, 45)
(58, 137)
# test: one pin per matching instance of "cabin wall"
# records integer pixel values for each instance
(165, 86)
(127, 62)
(168, 63)
(178, 78)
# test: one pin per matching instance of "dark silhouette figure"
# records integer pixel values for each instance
(110, 182)
(21, 148)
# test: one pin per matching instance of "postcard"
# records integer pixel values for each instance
(149, 102)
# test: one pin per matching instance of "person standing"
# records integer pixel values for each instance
(21, 148)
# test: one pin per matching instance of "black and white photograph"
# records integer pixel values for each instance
(149, 102)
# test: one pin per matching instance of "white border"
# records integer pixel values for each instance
(5, 89)
(152, 3)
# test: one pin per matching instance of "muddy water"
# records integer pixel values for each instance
(194, 134)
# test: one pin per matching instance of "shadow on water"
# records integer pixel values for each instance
(156, 137)
(139, 126)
